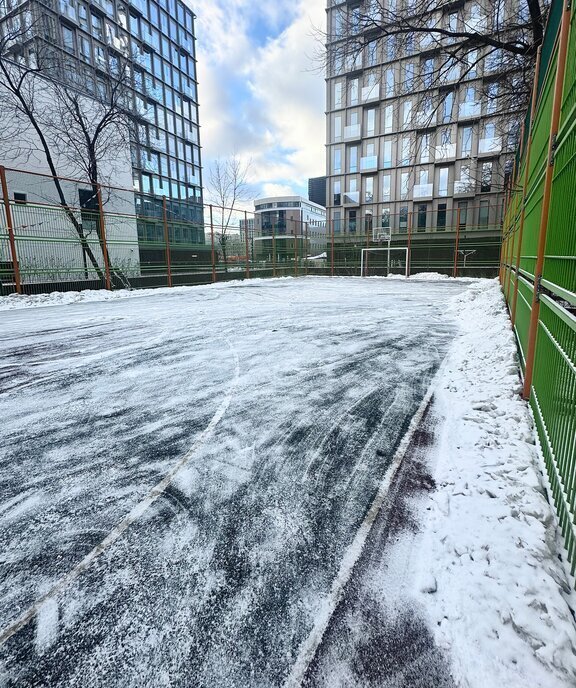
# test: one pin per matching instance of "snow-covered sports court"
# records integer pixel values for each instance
(189, 478)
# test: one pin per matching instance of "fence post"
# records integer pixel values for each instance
(11, 237)
(306, 251)
(103, 238)
(456, 244)
(525, 184)
(247, 244)
(167, 241)
(332, 251)
(273, 251)
(409, 258)
(295, 249)
(213, 251)
(554, 125)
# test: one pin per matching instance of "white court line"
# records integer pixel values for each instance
(26, 616)
(310, 645)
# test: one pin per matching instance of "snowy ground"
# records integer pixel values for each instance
(271, 410)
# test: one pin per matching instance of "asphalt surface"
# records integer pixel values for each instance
(306, 387)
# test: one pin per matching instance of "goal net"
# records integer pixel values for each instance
(380, 262)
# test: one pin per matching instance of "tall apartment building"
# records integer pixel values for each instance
(157, 37)
(413, 136)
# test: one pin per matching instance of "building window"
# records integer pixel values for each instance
(20, 198)
(467, 141)
(428, 72)
(422, 216)
(463, 208)
(369, 190)
(387, 155)
(447, 105)
(484, 213)
(406, 113)
(337, 221)
(352, 221)
(424, 148)
(353, 159)
(405, 151)
(372, 54)
(386, 187)
(443, 181)
(337, 127)
(409, 72)
(388, 119)
(386, 218)
(423, 177)
(370, 122)
(68, 40)
(403, 218)
(338, 95)
(441, 216)
(337, 161)
(404, 185)
(486, 179)
(354, 92)
(337, 188)
(389, 83)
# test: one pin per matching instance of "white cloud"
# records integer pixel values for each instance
(263, 101)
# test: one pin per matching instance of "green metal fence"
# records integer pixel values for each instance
(540, 223)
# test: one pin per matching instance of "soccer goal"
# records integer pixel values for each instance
(391, 257)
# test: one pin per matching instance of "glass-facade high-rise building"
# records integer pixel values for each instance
(157, 37)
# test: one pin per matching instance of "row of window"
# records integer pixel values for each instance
(160, 186)
(420, 183)
(174, 19)
(407, 150)
(354, 92)
(424, 217)
(420, 74)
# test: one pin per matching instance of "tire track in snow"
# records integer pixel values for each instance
(137, 511)
(311, 644)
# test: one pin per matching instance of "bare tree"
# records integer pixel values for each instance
(227, 187)
(503, 34)
(52, 116)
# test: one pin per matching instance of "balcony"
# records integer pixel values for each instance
(445, 152)
(369, 163)
(352, 132)
(370, 93)
(423, 191)
(472, 109)
(490, 146)
(463, 187)
(352, 198)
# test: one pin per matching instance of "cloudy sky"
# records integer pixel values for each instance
(261, 89)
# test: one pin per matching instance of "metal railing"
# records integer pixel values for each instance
(538, 261)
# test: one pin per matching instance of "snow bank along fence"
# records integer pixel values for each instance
(80, 236)
(538, 260)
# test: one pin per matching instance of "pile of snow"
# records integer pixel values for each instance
(429, 276)
(490, 577)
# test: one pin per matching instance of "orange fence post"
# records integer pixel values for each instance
(167, 241)
(212, 244)
(554, 125)
(456, 244)
(11, 237)
(103, 238)
(409, 258)
(247, 245)
(525, 185)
